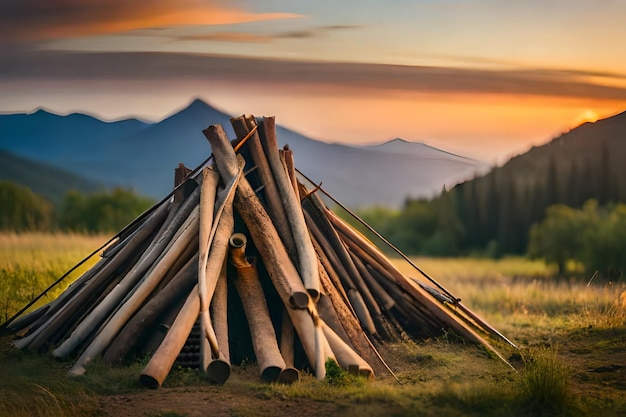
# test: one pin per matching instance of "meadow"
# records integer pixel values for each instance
(570, 332)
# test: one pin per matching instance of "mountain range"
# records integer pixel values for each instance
(142, 155)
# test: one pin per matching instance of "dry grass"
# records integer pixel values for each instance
(30, 262)
(440, 377)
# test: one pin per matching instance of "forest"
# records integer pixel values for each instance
(564, 210)
(105, 211)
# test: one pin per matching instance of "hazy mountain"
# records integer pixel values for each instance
(46, 180)
(143, 155)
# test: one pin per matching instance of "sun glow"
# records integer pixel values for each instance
(588, 116)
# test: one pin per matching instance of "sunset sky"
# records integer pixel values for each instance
(483, 78)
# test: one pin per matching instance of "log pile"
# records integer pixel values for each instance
(242, 261)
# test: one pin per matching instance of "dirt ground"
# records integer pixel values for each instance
(597, 359)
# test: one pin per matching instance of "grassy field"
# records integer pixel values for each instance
(571, 335)
(30, 262)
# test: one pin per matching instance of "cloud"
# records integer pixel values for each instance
(58, 65)
(247, 37)
(40, 20)
(237, 37)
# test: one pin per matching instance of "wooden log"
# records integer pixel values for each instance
(207, 207)
(279, 266)
(150, 281)
(348, 320)
(87, 290)
(290, 374)
(421, 296)
(286, 157)
(355, 300)
(384, 299)
(281, 270)
(317, 211)
(346, 356)
(248, 286)
(28, 319)
(163, 359)
(326, 265)
(307, 260)
(218, 370)
(113, 299)
(219, 240)
(144, 320)
(328, 313)
(275, 208)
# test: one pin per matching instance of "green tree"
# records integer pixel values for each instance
(563, 234)
(22, 210)
(606, 243)
(105, 211)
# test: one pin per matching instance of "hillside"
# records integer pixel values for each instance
(583, 163)
(142, 156)
(43, 179)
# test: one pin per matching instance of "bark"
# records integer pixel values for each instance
(307, 260)
(252, 297)
(145, 319)
(163, 359)
(150, 281)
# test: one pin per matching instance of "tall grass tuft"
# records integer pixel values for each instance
(545, 383)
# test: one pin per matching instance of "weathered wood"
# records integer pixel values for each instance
(123, 290)
(421, 296)
(346, 356)
(72, 310)
(150, 281)
(290, 374)
(163, 359)
(384, 299)
(356, 301)
(248, 286)
(286, 157)
(281, 270)
(207, 207)
(275, 208)
(307, 260)
(145, 319)
(279, 266)
(218, 370)
(351, 326)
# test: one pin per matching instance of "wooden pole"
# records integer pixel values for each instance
(218, 370)
(307, 260)
(163, 359)
(151, 280)
(254, 304)
(144, 320)
(279, 266)
(275, 208)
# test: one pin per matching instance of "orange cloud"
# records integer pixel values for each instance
(35, 20)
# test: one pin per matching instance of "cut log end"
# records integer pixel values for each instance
(299, 299)
(288, 376)
(149, 381)
(314, 294)
(271, 373)
(218, 371)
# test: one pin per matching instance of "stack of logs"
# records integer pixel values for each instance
(253, 259)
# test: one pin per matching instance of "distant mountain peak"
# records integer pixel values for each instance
(40, 111)
(198, 102)
(399, 145)
(399, 141)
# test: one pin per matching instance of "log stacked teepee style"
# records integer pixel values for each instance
(241, 261)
